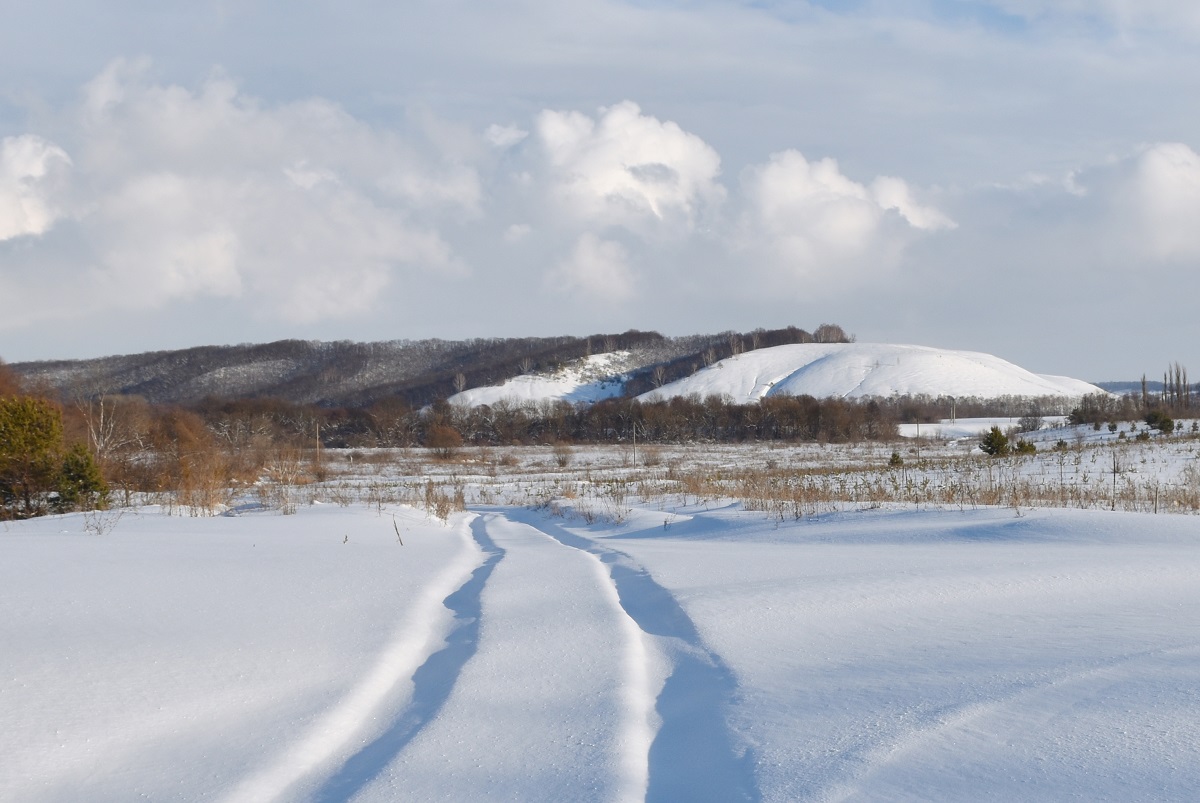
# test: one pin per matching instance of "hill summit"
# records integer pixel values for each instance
(856, 370)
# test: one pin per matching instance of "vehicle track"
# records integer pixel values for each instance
(416, 640)
(693, 756)
(432, 682)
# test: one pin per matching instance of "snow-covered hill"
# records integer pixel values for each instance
(597, 377)
(855, 370)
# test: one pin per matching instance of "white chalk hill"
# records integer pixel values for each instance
(597, 377)
(855, 370)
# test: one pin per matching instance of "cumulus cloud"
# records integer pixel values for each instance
(181, 193)
(627, 168)
(1165, 192)
(596, 268)
(813, 223)
(32, 174)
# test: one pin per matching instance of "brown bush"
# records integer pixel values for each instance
(444, 440)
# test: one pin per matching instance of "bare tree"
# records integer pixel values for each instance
(460, 382)
(114, 423)
(831, 333)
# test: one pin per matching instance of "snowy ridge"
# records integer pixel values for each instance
(591, 379)
(857, 370)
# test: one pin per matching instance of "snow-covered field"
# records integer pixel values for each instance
(696, 650)
(970, 427)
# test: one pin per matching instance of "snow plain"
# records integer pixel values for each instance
(696, 651)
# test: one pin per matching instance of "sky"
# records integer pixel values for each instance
(1019, 177)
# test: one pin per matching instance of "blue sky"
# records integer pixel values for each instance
(1016, 176)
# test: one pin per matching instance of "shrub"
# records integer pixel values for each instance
(896, 461)
(444, 440)
(1030, 422)
(1025, 447)
(1159, 420)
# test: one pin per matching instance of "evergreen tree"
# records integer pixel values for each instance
(80, 484)
(31, 436)
(994, 442)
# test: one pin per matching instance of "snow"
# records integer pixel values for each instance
(970, 427)
(588, 380)
(696, 651)
(855, 370)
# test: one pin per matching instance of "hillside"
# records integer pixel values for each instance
(572, 369)
(418, 372)
(856, 370)
(600, 376)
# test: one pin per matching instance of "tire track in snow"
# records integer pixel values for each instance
(692, 757)
(432, 682)
(639, 720)
(401, 660)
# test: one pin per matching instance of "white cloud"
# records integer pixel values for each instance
(32, 174)
(597, 268)
(1165, 191)
(503, 137)
(626, 168)
(894, 193)
(811, 222)
(181, 193)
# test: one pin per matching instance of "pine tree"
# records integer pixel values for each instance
(994, 442)
(31, 436)
(80, 484)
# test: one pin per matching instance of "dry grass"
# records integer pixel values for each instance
(784, 482)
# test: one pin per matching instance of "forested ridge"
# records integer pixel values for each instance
(416, 372)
